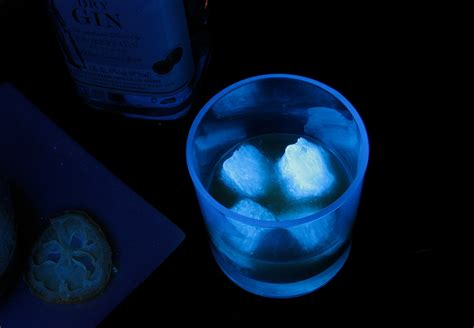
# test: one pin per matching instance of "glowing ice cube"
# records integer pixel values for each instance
(304, 170)
(247, 172)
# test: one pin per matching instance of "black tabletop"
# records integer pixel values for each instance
(376, 60)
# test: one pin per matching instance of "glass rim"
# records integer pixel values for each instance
(198, 185)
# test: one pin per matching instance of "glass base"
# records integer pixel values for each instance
(281, 290)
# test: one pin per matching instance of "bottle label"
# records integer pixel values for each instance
(116, 48)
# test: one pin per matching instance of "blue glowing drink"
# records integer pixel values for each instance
(279, 177)
(277, 162)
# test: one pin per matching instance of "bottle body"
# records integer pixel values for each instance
(132, 57)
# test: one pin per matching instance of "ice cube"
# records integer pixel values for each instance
(247, 171)
(239, 101)
(331, 126)
(249, 235)
(303, 170)
(254, 210)
(298, 212)
(217, 136)
(315, 235)
(214, 139)
(278, 244)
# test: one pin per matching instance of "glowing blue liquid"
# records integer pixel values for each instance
(282, 264)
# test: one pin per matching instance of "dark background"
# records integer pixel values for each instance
(377, 56)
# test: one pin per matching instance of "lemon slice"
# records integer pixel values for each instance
(71, 261)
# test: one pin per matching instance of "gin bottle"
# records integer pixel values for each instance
(131, 57)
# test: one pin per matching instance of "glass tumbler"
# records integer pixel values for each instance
(278, 259)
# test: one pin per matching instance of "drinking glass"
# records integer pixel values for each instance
(278, 259)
